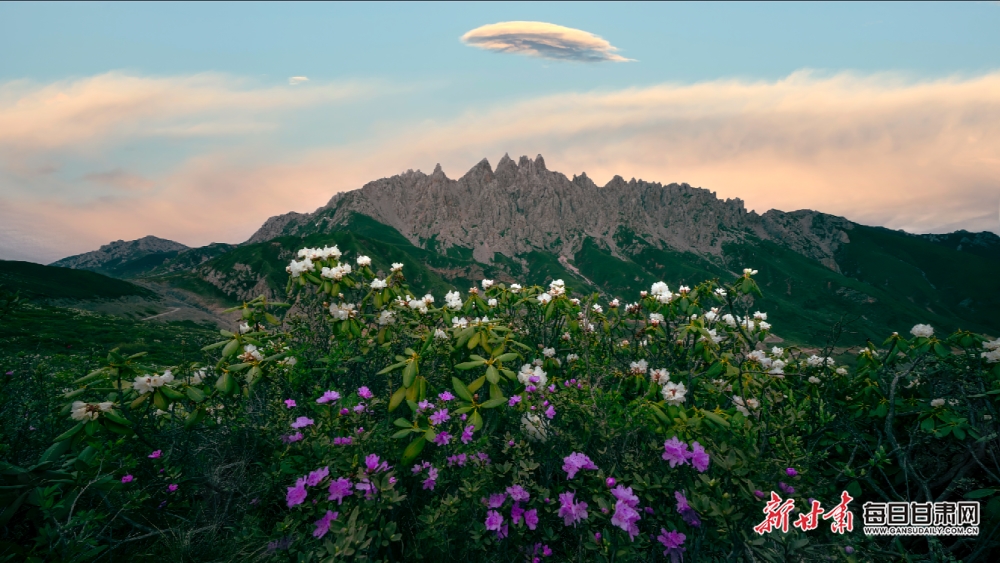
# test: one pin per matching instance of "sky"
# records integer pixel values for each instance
(197, 121)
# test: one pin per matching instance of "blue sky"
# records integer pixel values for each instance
(215, 106)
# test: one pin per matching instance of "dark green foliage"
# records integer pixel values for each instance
(36, 281)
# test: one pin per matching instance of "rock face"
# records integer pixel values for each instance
(120, 251)
(523, 206)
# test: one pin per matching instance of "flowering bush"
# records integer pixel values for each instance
(516, 423)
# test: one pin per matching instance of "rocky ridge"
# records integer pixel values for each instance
(522, 206)
(120, 251)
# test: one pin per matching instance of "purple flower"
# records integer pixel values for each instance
(365, 393)
(493, 521)
(340, 489)
(571, 511)
(431, 480)
(531, 519)
(439, 417)
(673, 542)
(155, 454)
(649, 510)
(296, 495)
(497, 500)
(323, 524)
(483, 457)
(516, 513)
(457, 460)
(626, 516)
(546, 551)
(791, 472)
(513, 400)
(446, 396)
(343, 441)
(344, 412)
(373, 464)
(597, 537)
(442, 438)
(328, 397)
(787, 489)
(574, 462)
(290, 403)
(302, 422)
(315, 477)
(292, 438)
(127, 479)
(360, 407)
(424, 405)
(467, 434)
(699, 458)
(171, 487)
(675, 452)
(552, 388)
(360, 430)
(610, 482)
(463, 417)
(682, 502)
(759, 493)
(518, 494)
(9, 373)
(550, 412)
(367, 486)
(848, 550)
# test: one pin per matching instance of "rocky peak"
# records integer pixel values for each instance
(120, 251)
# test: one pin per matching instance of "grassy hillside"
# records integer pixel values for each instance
(36, 281)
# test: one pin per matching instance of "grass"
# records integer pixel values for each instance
(36, 281)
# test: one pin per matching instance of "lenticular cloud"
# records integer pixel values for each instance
(544, 40)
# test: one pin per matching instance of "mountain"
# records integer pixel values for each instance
(124, 258)
(523, 222)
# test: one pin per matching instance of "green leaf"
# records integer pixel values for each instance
(171, 393)
(413, 450)
(392, 367)
(397, 398)
(402, 423)
(979, 493)
(118, 428)
(493, 403)
(492, 375)
(460, 389)
(509, 356)
(225, 383)
(476, 420)
(475, 385)
(928, 424)
(474, 341)
(160, 401)
(716, 419)
(194, 417)
(409, 372)
(195, 394)
(402, 433)
(117, 419)
(469, 365)
(92, 375)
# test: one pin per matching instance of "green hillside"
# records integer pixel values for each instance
(36, 281)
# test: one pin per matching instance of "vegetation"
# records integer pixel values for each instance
(505, 423)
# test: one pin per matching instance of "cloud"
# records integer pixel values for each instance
(296, 80)
(119, 179)
(544, 40)
(919, 155)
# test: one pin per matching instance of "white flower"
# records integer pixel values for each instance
(549, 352)
(515, 288)
(661, 292)
(325, 252)
(88, 411)
(721, 384)
(760, 316)
(764, 325)
(749, 271)
(453, 300)
(197, 377)
(532, 375)
(638, 368)
(953, 402)
(459, 322)
(992, 357)
(813, 379)
(418, 305)
(537, 362)
(492, 302)
(777, 368)
(683, 289)
(922, 331)
(244, 328)
(937, 403)
(673, 393)
(544, 298)
(147, 383)
(386, 318)
(659, 376)
(655, 319)
(438, 333)
(250, 353)
(720, 292)
(566, 337)
(289, 361)
(714, 335)
(992, 344)
(777, 352)
(397, 267)
(597, 308)
(729, 320)
(757, 355)
(745, 406)
(336, 272)
(576, 301)
(297, 268)
(343, 311)
(534, 426)
(160, 412)
(557, 288)
(816, 361)
(378, 284)
(428, 299)
(572, 357)
(614, 303)
(487, 284)
(841, 371)
(364, 261)
(710, 316)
